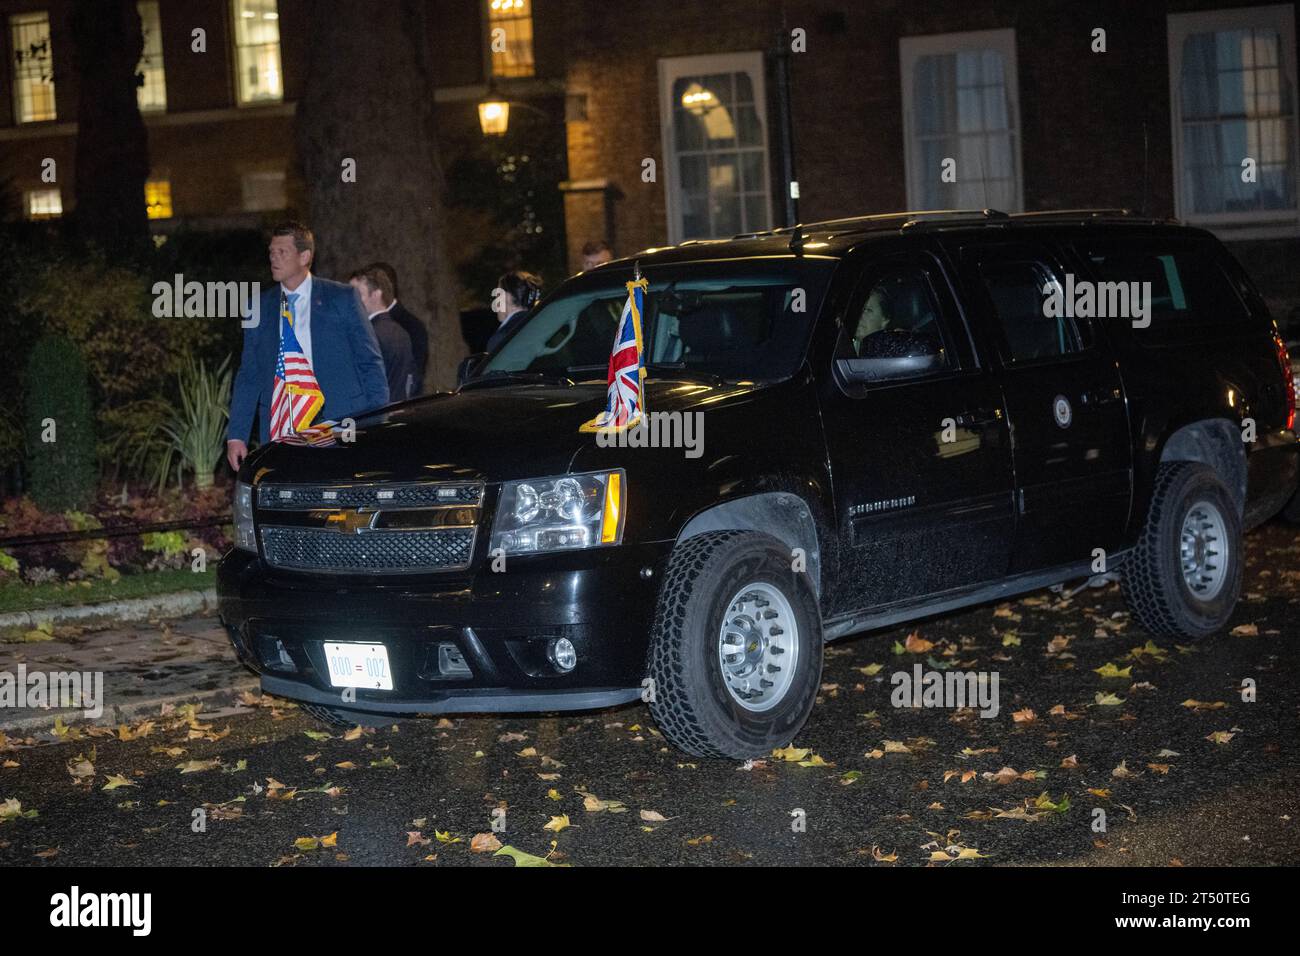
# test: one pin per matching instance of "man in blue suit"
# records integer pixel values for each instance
(332, 331)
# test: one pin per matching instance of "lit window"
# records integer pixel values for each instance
(1232, 77)
(158, 198)
(152, 94)
(962, 116)
(717, 177)
(33, 67)
(512, 46)
(43, 203)
(257, 51)
(264, 191)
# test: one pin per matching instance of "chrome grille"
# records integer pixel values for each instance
(374, 552)
(371, 528)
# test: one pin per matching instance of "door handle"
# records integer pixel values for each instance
(979, 416)
(1100, 396)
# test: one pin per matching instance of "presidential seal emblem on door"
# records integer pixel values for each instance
(1061, 411)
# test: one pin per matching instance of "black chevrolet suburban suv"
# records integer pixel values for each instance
(851, 424)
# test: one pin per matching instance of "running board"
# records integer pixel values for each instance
(901, 611)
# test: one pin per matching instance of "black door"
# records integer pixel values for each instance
(920, 457)
(1069, 424)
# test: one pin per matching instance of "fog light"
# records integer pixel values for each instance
(562, 654)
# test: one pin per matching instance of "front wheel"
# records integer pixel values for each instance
(1184, 577)
(736, 649)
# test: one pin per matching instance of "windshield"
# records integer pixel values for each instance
(720, 320)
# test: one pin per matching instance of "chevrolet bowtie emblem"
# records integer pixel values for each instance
(351, 522)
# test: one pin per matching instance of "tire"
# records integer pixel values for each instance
(1158, 591)
(341, 717)
(711, 707)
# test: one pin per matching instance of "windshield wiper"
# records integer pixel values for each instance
(506, 376)
(682, 370)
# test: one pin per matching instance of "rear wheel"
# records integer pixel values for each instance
(736, 649)
(1184, 577)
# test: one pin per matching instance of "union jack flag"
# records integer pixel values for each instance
(625, 400)
(296, 396)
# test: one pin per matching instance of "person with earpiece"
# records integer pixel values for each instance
(512, 300)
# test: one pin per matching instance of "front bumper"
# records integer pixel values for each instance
(499, 624)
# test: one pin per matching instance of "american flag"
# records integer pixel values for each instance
(625, 401)
(296, 396)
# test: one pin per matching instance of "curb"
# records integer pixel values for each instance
(128, 713)
(175, 604)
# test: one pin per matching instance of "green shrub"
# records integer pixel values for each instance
(61, 474)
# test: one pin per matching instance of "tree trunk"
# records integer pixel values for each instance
(112, 144)
(368, 97)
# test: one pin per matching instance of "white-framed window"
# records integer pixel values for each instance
(32, 56)
(264, 190)
(257, 51)
(961, 119)
(713, 118)
(43, 203)
(1232, 85)
(152, 93)
(511, 50)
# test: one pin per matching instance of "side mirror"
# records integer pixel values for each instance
(467, 366)
(892, 354)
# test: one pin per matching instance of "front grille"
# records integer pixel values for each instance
(372, 552)
(370, 528)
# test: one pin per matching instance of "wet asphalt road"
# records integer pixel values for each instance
(1214, 784)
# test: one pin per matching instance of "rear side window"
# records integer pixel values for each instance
(1017, 290)
(1180, 286)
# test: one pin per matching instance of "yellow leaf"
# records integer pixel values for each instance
(557, 824)
(306, 843)
(1108, 700)
(792, 754)
(1221, 736)
(117, 780)
(554, 794)
(1110, 670)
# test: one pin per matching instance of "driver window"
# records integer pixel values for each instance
(895, 309)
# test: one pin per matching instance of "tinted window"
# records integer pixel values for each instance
(896, 302)
(1018, 292)
(727, 321)
(1187, 285)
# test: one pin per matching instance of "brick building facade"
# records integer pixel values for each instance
(1017, 96)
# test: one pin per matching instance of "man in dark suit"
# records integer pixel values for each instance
(513, 298)
(394, 344)
(331, 330)
(410, 324)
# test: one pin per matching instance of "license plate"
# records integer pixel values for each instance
(359, 665)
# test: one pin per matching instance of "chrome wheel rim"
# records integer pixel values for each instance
(758, 646)
(1204, 550)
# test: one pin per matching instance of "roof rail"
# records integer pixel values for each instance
(943, 217)
(1098, 213)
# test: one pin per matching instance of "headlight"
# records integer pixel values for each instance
(559, 514)
(243, 517)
